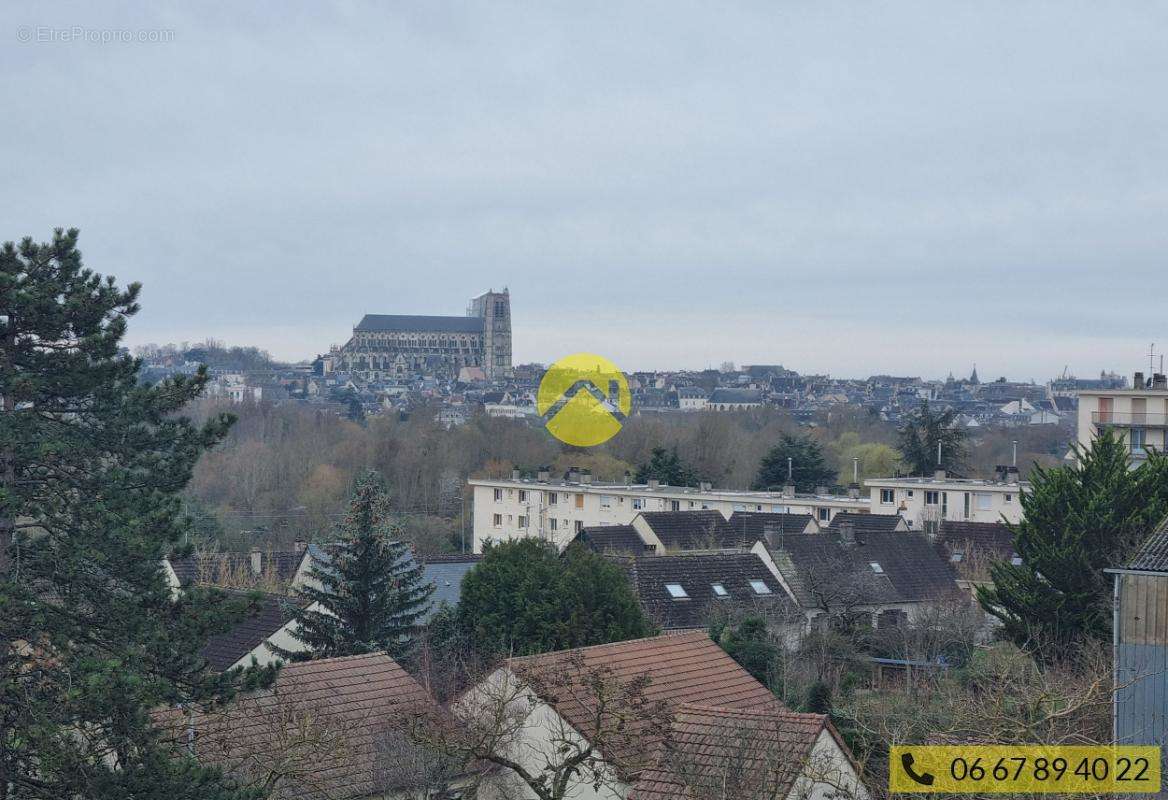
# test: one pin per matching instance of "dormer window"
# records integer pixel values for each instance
(719, 590)
(760, 587)
(676, 591)
(879, 570)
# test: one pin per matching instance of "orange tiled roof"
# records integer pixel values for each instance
(742, 753)
(326, 723)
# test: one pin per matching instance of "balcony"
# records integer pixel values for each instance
(1124, 419)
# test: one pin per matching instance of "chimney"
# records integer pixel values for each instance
(300, 545)
(585, 476)
(1138, 380)
(847, 533)
(1011, 474)
(854, 491)
(1002, 471)
(939, 474)
(788, 490)
(257, 561)
(628, 477)
(654, 483)
(515, 474)
(706, 486)
(821, 490)
(1159, 381)
(573, 474)
(543, 474)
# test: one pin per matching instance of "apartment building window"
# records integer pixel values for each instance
(522, 495)
(887, 496)
(579, 525)
(985, 501)
(498, 495)
(932, 498)
(638, 503)
(554, 524)
(498, 520)
(966, 508)
(1009, 498)
(824, 515)
(579, 501)
(1137, 437)
(606, 501)
(675, 505)
(739, 507)
(522, 521)
(553, 498)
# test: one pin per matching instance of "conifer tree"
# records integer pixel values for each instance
(91, 464)
(370, 591)
(1078, 521)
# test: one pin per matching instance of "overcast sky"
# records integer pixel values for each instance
(850, 188)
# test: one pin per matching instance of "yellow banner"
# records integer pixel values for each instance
(1007, 769)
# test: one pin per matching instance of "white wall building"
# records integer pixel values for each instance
(924, 500)
(556, 510)
(1139, 415)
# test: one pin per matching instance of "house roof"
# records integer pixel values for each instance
(1153, 554)
(612, 539)
(231, 568)
(868, 523)
(682, 668)
(715, 752)
(378, 323)
(752, 525)
(736, 396)
(224, 649)
(354, 705)
(689, 530)
(992, 538)
(910, 569)
(695, 574)
(446, 573)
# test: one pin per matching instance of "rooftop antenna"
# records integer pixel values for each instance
(1151, 358)
(1015, 462)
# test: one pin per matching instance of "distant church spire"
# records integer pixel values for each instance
(973, 376)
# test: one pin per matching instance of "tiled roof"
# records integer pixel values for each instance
(682, 668)
(224, 649)
(1153, 555)
(991, 538)
(733, 396)
(692, 530)
(696, 574)
(868, 523)
(412, 322)
(910, 569)
(230, 568)
(753, 524)
(446, 573)
(723, 752)
(326, 724)
(612, 539)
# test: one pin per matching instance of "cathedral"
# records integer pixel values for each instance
(395, 346)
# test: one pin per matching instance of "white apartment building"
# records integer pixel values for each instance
(926, 500)
(1139, 415)
(556, 510)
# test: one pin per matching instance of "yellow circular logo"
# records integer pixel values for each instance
(584, 399)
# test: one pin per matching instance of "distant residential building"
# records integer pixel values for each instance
(1138, 415)
(509, 410)
(557, 510)
(692, 398)
(925, 501)
(734, 399)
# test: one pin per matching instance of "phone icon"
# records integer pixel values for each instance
(924, 779)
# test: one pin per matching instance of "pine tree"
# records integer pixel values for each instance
(371, 591)
(91, 464)
(809, 468)
(920, 435)
(667, 467)
(1078, 520)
